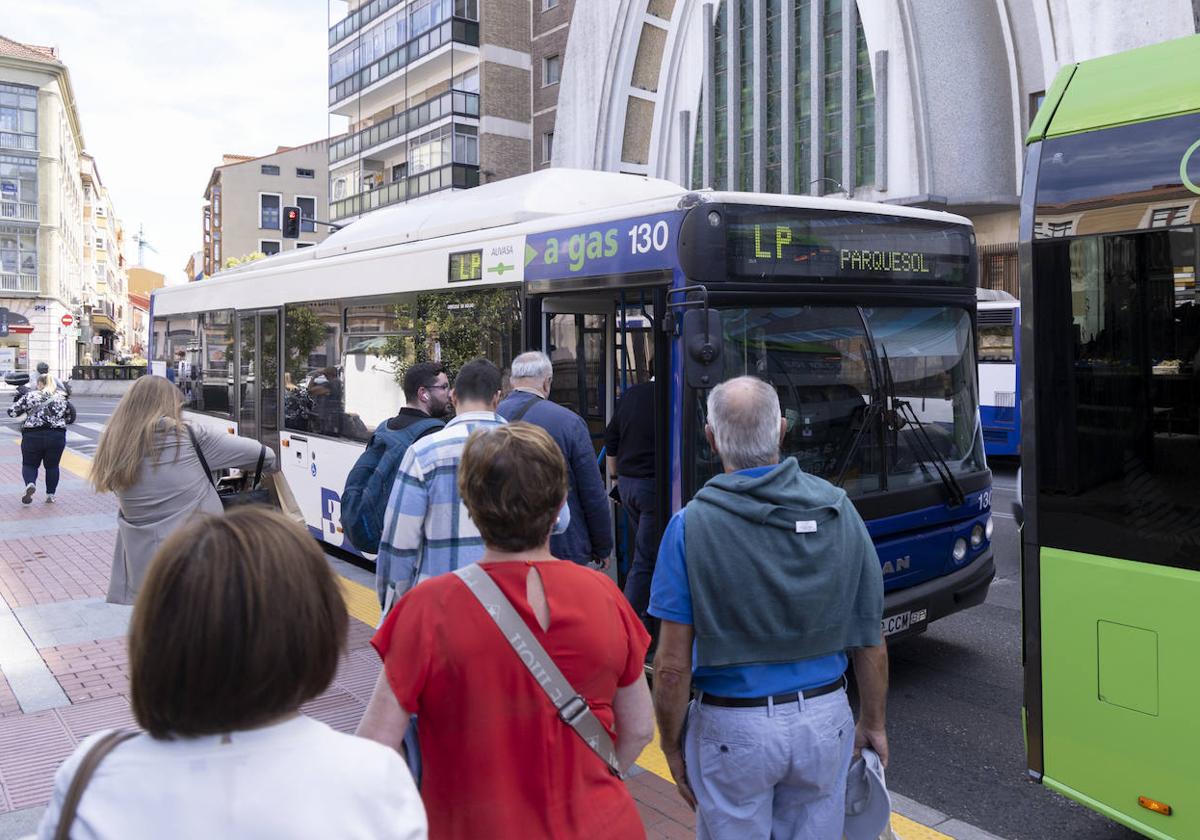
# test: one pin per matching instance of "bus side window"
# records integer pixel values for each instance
(312, 334)
(379, 348)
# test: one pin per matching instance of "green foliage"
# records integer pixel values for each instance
(233, 262)
(304, 331)
(455, 328)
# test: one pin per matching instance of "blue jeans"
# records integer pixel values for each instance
(640, 502)
(771, 771)
(38, 447)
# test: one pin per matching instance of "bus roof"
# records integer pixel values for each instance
(363, 255)
(1135, 86)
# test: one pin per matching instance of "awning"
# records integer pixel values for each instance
(103, 323)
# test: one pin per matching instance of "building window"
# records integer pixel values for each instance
(551, 70)
(1167, 216)
(774, 95)
(100, 212)
(802, 85)
(547, 5)
(466, 144)
(18, 250)
(99, 244)
(18, 118)
(399, 171)
(308, 212)
(18, 183)
(720, 101)
(864, 118)
(831, 120)
(547, 146)
(746, 118)
(269, 169)
(300, 245)
(268, 205)
(270, 247)
(305, 173)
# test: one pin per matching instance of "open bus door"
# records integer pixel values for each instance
(600, 344)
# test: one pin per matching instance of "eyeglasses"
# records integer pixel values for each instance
(437, 387)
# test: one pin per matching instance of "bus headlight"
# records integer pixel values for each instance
(977, 536)
(960, 550)
(987, 529)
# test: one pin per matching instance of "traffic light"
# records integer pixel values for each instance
(291, 222)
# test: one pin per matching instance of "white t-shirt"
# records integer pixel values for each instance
(296, 779)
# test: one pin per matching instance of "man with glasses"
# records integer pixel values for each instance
(364, 501)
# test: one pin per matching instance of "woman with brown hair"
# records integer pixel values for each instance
(239, 623)
(498, 761)
(147, 458)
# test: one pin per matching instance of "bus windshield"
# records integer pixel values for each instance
(821, 361)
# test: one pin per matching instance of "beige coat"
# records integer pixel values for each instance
(170, 488)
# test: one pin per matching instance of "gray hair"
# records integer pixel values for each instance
(743, 414)
(532, 365)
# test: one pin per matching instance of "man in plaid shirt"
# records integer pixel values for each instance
(426, 529)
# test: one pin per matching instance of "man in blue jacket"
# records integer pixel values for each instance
(589, 536)
(767, 584)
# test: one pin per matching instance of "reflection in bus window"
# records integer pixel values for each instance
(312, 334)
(378, 351)
(1118, 395)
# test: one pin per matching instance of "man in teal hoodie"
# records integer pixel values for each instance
(765, 596)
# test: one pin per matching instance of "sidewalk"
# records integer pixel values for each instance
(64, 674)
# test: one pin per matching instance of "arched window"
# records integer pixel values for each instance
(815, 72)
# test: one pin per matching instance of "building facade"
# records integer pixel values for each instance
(245, 197)
(105, 321)
(440, 94)
(919, 103)
(41, 210)
(142, 282)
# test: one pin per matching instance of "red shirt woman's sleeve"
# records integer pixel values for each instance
(403, 643)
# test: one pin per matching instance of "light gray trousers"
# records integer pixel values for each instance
(772, 772)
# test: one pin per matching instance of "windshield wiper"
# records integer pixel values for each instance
(874, 411)
(902, 412)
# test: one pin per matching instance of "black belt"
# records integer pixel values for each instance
(790, 697)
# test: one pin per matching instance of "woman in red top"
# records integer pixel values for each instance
(497, 760)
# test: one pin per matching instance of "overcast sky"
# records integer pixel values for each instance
(165, 87)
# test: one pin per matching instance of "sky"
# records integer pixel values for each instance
(165, 87)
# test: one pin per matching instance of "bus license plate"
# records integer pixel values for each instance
(893, 624)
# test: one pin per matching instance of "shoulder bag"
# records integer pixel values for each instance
(236, 495)
(83, 775)
(573, 710)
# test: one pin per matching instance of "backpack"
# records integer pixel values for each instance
(369, 485)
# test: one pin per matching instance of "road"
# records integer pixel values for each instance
(954, 709)
(954, 713)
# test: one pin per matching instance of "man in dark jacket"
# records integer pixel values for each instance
(589, 536)
(777, 584)
(629, 441)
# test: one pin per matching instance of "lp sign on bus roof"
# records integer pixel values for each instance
(68, 319)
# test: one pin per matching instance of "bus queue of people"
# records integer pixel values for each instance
(513, 694)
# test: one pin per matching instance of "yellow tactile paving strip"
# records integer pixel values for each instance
(361, 602)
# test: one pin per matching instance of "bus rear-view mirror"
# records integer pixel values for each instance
(704, 362)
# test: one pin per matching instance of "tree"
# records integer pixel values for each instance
(303, 332)
(453, 329)
(233, 262)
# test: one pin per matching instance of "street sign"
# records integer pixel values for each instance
(68, 319)
(97, 339)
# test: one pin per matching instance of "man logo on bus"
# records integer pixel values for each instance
(1183, 167)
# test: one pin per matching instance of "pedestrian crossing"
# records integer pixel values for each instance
(83, 437)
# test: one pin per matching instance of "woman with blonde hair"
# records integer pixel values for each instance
(43, 434)
(148, 457)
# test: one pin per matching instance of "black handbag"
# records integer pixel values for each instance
(235, 493)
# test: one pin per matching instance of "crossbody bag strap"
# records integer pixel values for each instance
(573, 710)
(262, 456)
(83, 775)
(523, 410)
(200, 455)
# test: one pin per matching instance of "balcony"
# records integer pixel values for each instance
(21, 211)
(14, 282)
(19, 142)
(453, 30)
(359, 18)
(456, 175)
(452, 103)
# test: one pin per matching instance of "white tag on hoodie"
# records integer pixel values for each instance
(807, 526)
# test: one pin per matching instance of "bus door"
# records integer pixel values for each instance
(600, 345)
(258, 376)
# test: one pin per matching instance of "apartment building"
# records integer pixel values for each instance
(437, 96)
(550, 27)
(105, 322)
(142, 282)
(41, 199)
(245, 197)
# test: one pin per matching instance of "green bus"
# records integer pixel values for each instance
(1110, 341)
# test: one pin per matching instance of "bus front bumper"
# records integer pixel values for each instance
(909, 611)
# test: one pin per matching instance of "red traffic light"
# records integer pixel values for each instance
(292, 214)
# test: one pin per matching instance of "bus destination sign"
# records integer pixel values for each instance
(794, 243)
(466, 266)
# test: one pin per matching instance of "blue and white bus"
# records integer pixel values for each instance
(999, 324)
(860, 315)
